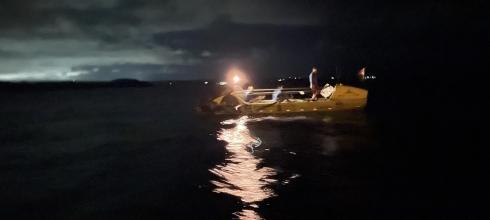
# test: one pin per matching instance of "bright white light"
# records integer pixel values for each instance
(332, 77)
(222, 83)
(236, 79)
(206, 82)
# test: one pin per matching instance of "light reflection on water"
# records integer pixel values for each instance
(241, 175)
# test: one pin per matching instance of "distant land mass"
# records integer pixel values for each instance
(127, 82)
(124, 82)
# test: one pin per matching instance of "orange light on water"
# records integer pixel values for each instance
(241, 175)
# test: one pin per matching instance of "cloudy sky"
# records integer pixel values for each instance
(201, 39)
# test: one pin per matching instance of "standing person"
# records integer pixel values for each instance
(315, 89)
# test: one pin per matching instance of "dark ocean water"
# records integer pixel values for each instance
(143, 153)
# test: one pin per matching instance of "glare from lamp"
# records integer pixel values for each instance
(236, 79)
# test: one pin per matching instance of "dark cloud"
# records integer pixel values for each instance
(5, 54)
(139, 71)
(51, 37)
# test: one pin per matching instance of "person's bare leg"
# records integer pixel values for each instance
(315, 93)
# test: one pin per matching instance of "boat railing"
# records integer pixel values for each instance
(272, 91)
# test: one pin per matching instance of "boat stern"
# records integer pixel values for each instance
(349, 97)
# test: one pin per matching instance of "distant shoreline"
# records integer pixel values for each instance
(56, 85)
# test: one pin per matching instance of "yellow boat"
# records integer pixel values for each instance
(287, 101)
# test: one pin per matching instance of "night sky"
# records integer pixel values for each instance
(197, 39)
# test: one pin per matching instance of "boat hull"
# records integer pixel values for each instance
(345, 98)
